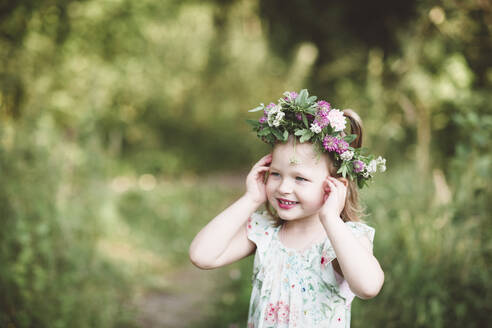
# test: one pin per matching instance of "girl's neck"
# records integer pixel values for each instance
(310, 225)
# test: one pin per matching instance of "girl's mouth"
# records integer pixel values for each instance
(285, 204)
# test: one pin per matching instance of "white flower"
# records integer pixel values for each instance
(278, 118)
(365, 174)
(381, 164)
(275, 115)
(337, 120)
(372, 167)
(315, 128)
(347, 155)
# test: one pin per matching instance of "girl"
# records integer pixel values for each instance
(312, 253)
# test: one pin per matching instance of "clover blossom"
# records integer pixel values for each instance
(342, 146)
(275, 115)
(358, 166)
(315, 127)
(322, 118)
(323, 105)
(337, 120)
(290, 95)
(381, 163)
(330, 143)
(347, 155)
(372, 167)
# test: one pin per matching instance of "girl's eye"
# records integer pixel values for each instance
(274, 174)
(300, 179)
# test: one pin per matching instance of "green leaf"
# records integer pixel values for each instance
(264, 131)
(302, 97)
(262, 106)
(286, 135)
(304, 119)
(312, 99)
(311, 111)
(300, 132)
(306, 136)
(277, 134)
(343, 170)
(350, 138)
(253, 123)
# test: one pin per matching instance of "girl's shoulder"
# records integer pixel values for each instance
(260, 227)
(360, 228)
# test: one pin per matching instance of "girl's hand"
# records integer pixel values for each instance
(255, 185)
(335, 194)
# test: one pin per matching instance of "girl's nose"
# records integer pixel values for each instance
(285, 186)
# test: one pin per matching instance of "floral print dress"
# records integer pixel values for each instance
(294, 288)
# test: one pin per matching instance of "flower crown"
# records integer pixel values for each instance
(316, 122)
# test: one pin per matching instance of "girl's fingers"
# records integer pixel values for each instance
(330, 184)
(265, 159)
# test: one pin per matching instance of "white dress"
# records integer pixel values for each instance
(293, 288)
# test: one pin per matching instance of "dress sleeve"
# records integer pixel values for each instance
(358, 229)
(260, 229)
(361, 229)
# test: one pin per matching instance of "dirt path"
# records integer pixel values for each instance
(190, 293)
(187, 300)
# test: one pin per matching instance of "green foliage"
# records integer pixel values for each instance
(434, 256)
(51, 274)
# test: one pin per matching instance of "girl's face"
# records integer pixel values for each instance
(298, 183)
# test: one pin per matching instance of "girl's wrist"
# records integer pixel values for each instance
(251, 200)
(330, 217)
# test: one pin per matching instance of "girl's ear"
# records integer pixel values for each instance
(344, 181)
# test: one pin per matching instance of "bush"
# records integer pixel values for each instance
(51, 275)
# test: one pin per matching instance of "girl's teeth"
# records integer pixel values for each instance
(288, 203)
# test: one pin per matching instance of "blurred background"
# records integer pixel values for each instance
(122, 133)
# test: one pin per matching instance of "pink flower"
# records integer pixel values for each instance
(323, 105)
(342, 146)
(335, 144)
(263, 119)
(271, 314)
(337, 120)
(291, 95)
(322, 117)
(330, 143)
(358, 166)
(282, 312)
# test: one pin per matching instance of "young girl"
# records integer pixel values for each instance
(312, 253)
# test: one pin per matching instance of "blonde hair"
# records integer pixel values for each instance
(352, 211)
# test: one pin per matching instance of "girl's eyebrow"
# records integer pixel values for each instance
(295, 171)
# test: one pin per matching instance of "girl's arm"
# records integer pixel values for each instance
(359, 266)
(224, 239)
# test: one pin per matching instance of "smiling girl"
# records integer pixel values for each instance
(312, 252)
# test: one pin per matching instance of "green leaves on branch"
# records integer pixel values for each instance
(350, 138)
(305, 134)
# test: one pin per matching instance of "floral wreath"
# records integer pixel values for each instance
(315, 121)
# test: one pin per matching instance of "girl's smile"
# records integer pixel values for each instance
(286, 204)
